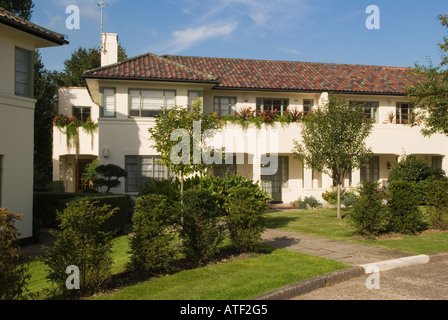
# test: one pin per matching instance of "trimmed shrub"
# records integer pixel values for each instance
(81, 242)
(244, 219)
(46, 205)
(405, 215)
(166, 187)
(437, 202)
(369, 216)
(13, 274)
(201, 230)
(151, 242)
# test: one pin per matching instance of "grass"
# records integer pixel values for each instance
(242, 278)
(324, 223)
(237, 280)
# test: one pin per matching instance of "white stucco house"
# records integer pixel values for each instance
(124, 97)
(18, 40)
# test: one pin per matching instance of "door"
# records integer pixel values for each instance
(273, 184)
(81, 165)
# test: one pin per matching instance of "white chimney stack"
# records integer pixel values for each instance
(109, 52)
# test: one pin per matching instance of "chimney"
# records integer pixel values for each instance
(109, 52)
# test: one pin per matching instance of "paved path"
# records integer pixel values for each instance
(345, 252)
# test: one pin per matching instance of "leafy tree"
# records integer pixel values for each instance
(22, 8)
(430, 94)
(183, 121)
(45, 93)
(333, 141)
(80, 61)
(109, 176)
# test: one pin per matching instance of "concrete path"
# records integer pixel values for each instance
(345, 252)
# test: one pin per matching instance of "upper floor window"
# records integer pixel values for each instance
(193, 96)
(24, 73)
(82, 113)
(108, 103)
(405, 112)
(308, 105)
(371, 109)
(149, 103)
(272, 105)
(225, 105)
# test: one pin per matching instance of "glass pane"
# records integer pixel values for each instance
(170, 97)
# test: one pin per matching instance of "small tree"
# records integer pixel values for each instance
(437, 202)
(333, 141)
(183, 123)
(151, 242)
(81, 242)
(109, 176)
(13, 274)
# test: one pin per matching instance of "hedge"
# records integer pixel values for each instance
(45, 206)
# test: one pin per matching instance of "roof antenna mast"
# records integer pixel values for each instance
(102, 5)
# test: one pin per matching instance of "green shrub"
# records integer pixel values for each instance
(369, 216)
(167, 187)
(405, 215)
(151, 242)
(244, 219)
(13, 274)
(45, 206)
(437, 202)
(413, 169)
(120, 204)
(201, 230)
(81, 242)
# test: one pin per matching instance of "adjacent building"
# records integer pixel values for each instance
(18, 40)
(124, 97)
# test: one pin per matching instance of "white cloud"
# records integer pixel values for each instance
(190, 37)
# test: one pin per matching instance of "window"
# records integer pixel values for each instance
(226, 168)
(437, 162)
(108, 103)
(405, 113)
(372, 171)
(307, 106)
(141, 169)
(225, 105)
(193, 96)
(82, 113)
(371, 109)
(149, 103)
(267, 104)
(24, 73)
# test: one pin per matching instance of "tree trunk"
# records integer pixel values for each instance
(339, 201)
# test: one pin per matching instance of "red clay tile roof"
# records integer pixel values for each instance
(246, 74)
(150, 67)
(302, 76)
(17, 22)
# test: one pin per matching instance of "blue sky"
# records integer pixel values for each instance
(301, 30)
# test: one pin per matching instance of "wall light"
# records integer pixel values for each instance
(106, 153)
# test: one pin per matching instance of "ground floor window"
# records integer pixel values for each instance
(229, 167)
(372, 171)
(437, 162)
(273, 184)
(141, 168)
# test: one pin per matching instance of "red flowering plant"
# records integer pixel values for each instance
(269, 116)
(61, 121)
(293, 115)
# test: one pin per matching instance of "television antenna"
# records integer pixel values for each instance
(102, 5)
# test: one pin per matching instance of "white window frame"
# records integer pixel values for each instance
(151, 109)
(108, 109)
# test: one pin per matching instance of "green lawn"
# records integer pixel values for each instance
(324, 223)
(237, 280)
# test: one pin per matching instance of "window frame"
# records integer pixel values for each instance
(374, 110)
(305, 112)
(200, 96)
(82, 113)
(29, 75)
(232, 109)
(102, 101)
(140, 179)
(141, 101)
(368, 172)
(260, 103)
(399, 112)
